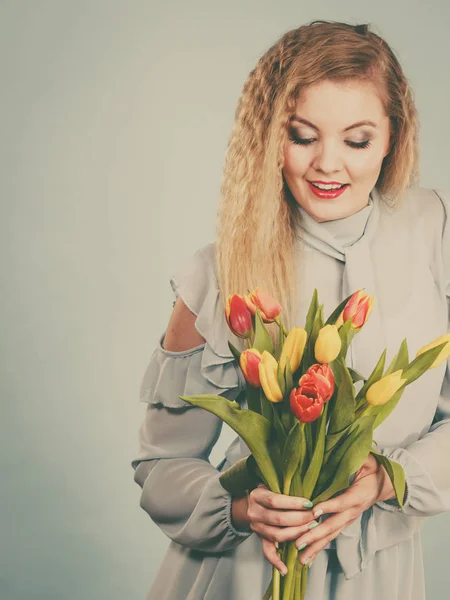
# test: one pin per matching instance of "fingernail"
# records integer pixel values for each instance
(306, 561)
(281, 572)
(308, 504)
(313, 524)
(318, 512)
(303, 545)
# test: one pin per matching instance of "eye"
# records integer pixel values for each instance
(302, 141)
(307, 141)
(364, 144)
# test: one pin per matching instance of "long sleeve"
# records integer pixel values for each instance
(425, 461)
(181, 490)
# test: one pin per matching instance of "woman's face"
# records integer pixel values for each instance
(327, 143)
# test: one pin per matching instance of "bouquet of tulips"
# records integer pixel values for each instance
(307, 427)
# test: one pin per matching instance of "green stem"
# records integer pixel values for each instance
(276, 584)
(303, 581)
(289, 578)
(281, 326)
(298, 581)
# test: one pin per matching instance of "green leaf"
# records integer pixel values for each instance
(314, 305)
(374, 377)
(344, 410)
(293, 454)
(278, 425)
(315, 465)
(252, 396)
(280, 343)
(333, 439)
(396, 475)
(297, 481)
(288, 380)
(336, 313)
(281, 380)
(346, 333)
(287, 418)
(355, 375)
(266, 406)
(262, 340)
(422, 363)
(235, 352)
(254, 429)
(383, 411)
(353, 452)
(400, 360)
(242, 476)
(312, 338)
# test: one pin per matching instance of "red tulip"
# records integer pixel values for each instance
(238, 316)
(249, 362)
(268, 307)
(306, 404)
(320, 378)
(358, 309)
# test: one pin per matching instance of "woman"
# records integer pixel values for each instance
(317, 192)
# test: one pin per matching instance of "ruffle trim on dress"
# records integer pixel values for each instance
(209, 368)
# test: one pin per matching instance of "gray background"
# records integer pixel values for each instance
(115, 119)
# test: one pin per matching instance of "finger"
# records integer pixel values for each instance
(280, 534)
(311, 551)
(270, 499)
(328, 529)
(351, 497)
(281, 518)
(270, 552)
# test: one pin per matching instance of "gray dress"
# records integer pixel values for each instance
(403, 259)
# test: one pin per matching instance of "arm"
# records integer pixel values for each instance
(180, 488)
(426, 461)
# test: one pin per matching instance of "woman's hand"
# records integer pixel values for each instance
(372, 484)
(277, 518)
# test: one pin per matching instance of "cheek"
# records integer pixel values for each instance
(295, 162)
(364, 162)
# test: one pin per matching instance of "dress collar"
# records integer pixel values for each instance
(336, 237)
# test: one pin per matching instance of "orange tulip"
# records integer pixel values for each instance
(249, 362)
(238, 316)
(357, 309)
(306, 404)
(268, 307)
(320, 378)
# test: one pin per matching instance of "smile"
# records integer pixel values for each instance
(330, 192)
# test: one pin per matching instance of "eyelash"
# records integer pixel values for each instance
(356, 145)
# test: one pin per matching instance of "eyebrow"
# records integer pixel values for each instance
(358, 124)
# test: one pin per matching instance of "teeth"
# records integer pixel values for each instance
(327, 186)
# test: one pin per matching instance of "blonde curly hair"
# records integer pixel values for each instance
(257, 218)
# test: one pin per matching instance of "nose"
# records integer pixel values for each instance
(327, 158)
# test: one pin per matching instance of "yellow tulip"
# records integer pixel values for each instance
(328, 344)
(293, 348)
(382, 391)
(268, 377)
(443, 354)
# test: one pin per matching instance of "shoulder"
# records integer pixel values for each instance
(195, 278)
(199, 266)
(430, 205)
(420, 210)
